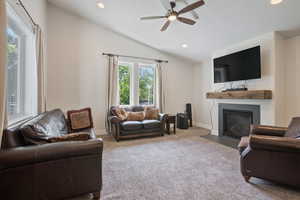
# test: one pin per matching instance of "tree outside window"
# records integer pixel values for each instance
(136, 84)
(124, 84)
(146, 85)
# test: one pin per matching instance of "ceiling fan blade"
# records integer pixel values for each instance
(193, 13)
(186, 20)
(166, 4)
(153, 17)
(191, 7)
(165, 26)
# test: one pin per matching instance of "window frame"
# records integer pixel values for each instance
(130, 67)
(134, 67)
(147, 65)
(26, 81)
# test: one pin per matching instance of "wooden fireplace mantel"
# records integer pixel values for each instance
(250, 94)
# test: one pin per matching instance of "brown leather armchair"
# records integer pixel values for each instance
(49, 171)
(272, 153)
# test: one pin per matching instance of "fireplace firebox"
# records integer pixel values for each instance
(235, 119)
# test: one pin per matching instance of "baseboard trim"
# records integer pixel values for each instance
(202, 125)
(100, 132)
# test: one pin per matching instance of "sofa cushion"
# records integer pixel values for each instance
(131, 125)
(137, 108)
(151, 113)
(71, 137)
(151, 124)
(135, 116)
(40, 129)
(294, 128)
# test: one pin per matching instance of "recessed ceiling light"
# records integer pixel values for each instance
(184, 46)
(274, 2)
(100, 5)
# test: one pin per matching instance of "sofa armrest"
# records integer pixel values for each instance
(162, 117)
(114, 119)
(20, 156)
(268, 130)
(271, 143)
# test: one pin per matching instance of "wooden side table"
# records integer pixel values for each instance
(171, 119)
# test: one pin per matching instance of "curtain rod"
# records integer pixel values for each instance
(27, 13)
(135, 57)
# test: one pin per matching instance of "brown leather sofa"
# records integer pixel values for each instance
(272, 153)
(134, 129)
(49, 171)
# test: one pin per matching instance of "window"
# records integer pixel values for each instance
(21, 69)
(124, 83)
(137, 83)
(146, 84)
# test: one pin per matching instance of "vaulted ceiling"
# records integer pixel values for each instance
(221, 22)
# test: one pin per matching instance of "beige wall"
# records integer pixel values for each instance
(207, 110)
(38, 10)
(292, 80)
(280, 73)
(77, 72)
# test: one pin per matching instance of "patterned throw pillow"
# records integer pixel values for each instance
(151, 113)
(136, 116)
(121, 113)
(70, 137)
(80, 119)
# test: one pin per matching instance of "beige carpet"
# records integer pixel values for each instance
(181, 167)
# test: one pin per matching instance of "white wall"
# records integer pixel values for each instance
(77, 72)
(292, 78)
(208, 108)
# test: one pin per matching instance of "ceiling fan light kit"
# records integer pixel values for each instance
(173, 15)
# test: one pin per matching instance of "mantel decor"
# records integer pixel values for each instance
(250, 94)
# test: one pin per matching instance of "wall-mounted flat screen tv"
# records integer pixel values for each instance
(243, 65)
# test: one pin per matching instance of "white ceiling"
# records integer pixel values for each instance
(221, 22)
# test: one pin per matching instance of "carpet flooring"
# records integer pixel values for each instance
(180, 167)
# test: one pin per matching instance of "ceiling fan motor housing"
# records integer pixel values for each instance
(173, 4)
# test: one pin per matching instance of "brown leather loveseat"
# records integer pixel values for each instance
(49, 171)
(272, 153)
(133, 129)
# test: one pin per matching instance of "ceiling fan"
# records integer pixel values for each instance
(167, 6)
(173, 15)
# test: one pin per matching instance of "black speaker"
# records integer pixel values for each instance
(182, 121)
(188, 111)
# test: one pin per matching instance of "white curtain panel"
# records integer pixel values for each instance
(40, 62)
(3, 44)
(161, 104)
(112, 87)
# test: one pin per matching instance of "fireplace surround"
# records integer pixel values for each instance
(235, 119)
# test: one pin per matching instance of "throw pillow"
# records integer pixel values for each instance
(121, 113)
(136, 116)
(80, 119)
(151, 113)
(70, 137)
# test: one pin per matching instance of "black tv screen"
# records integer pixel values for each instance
(243, 65)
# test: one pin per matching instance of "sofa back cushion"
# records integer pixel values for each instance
(48, 125)
(294, 128)
(151, 113)
(136, 116)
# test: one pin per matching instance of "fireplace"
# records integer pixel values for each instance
(235, 119)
